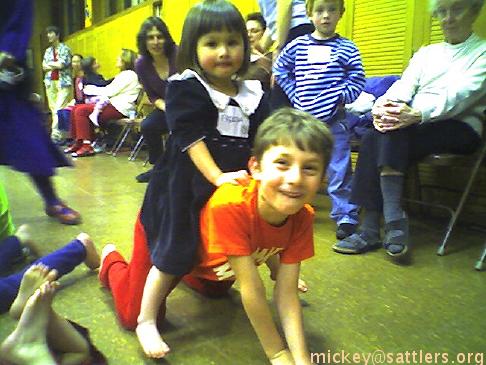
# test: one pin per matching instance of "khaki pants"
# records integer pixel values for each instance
(58, 98)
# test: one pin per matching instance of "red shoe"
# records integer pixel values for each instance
(74, 147)
(63, 214)
(84, 151)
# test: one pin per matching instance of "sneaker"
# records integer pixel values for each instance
(345, 230)
(63, 214)
(84, 151)
(144, 177)
(359, 242)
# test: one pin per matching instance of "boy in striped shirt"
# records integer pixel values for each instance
(320, 72)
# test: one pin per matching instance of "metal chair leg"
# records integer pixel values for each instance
(126, 131)
(480, 264)
(136, 149)
(465, 194)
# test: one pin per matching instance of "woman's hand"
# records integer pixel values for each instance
(394, 115)
(240, 177)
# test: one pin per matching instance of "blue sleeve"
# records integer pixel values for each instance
(16, 28)
(355, 79)
(284, 70)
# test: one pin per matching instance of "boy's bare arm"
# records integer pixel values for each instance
(290, 312)
(256, 305)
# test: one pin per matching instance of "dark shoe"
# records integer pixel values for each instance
(84, 151)
(357, 243)
(345, 230)
(144, 177)
(396, 237)
(63, 214)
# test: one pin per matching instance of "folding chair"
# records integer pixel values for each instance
(451, 160)
(128, 124)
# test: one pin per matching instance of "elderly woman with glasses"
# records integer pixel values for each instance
(434, 108)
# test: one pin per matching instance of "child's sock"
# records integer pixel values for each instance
(391, 190)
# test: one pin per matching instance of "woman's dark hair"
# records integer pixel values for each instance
(205, 17)
(147, 25)
(257, 17)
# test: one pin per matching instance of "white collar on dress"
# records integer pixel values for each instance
(250, 92)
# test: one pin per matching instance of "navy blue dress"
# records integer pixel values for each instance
(24, 142)
(177, 190)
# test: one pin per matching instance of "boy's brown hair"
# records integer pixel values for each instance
(309, 6)
(288, 126)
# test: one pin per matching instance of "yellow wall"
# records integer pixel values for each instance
(386, 32)
(105, 41)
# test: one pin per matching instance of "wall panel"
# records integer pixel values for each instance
(380, 31)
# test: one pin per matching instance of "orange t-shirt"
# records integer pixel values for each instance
(231, 226)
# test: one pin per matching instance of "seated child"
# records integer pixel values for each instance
(242, 227)
(42, 336)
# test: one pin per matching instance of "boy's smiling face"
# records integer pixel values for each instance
(289, 178)
(325, 16)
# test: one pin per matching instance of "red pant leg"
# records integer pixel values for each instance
(82, 127)
(127, 280)
(108, 113)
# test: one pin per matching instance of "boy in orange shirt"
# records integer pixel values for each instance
(244, 226)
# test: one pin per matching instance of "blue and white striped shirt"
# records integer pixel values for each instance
(319, 75)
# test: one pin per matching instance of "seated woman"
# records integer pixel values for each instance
(154, 66)
(122, 93)
(260, 64)
(431, 109)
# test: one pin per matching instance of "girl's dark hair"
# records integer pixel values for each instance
(87, 65)
(147, 25)
(205, 17)
(77, 54)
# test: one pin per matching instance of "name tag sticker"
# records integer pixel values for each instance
(233, 123)
(319, 54)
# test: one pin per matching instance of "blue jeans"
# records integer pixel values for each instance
(340, 174)
(63, 260)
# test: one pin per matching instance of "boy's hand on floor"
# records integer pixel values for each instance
(302, 286)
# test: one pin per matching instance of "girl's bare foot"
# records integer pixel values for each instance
(31, 281)
(92, 259)
(27, 344)
(152, 343)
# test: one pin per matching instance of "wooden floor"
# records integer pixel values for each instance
(356, 304)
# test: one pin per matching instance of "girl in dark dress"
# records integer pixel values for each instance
(212, 118)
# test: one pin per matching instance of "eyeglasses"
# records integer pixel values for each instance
(456, 11)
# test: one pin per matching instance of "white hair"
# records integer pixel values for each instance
(478, 4)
